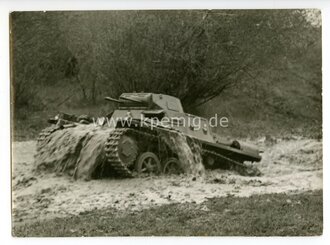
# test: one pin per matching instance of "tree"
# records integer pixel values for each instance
(38, 56)
(194, 55)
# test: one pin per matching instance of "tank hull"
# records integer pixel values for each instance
(139, 140)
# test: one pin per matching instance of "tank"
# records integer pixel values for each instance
(139, 142)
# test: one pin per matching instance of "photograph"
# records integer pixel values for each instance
(178, 122)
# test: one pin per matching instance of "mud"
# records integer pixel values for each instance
(289, 165)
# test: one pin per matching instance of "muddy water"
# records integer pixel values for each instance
(189, 152)
(288, 166)
(76, 151)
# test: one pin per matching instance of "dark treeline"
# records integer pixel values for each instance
(80, 57)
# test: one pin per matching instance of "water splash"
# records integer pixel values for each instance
(77, 151)
(188, 151)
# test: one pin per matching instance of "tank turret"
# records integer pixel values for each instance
(152, 113)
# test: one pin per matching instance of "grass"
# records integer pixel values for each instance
(264, 215)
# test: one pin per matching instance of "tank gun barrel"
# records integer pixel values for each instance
(122, 100)
(113, 100)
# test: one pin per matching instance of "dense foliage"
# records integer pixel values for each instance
(79, 57)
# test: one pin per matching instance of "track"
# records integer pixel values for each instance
(241, 168)
(112, 156)
(111, 147)
(111, 150)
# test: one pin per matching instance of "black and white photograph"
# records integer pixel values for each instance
(178, 122)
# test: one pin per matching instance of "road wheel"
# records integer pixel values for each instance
(173, 166)
(148, 163)
(210, 161)
(127, 150)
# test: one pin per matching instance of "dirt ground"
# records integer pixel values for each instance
(291, 165)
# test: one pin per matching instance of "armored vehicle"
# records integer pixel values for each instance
(145, 123)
